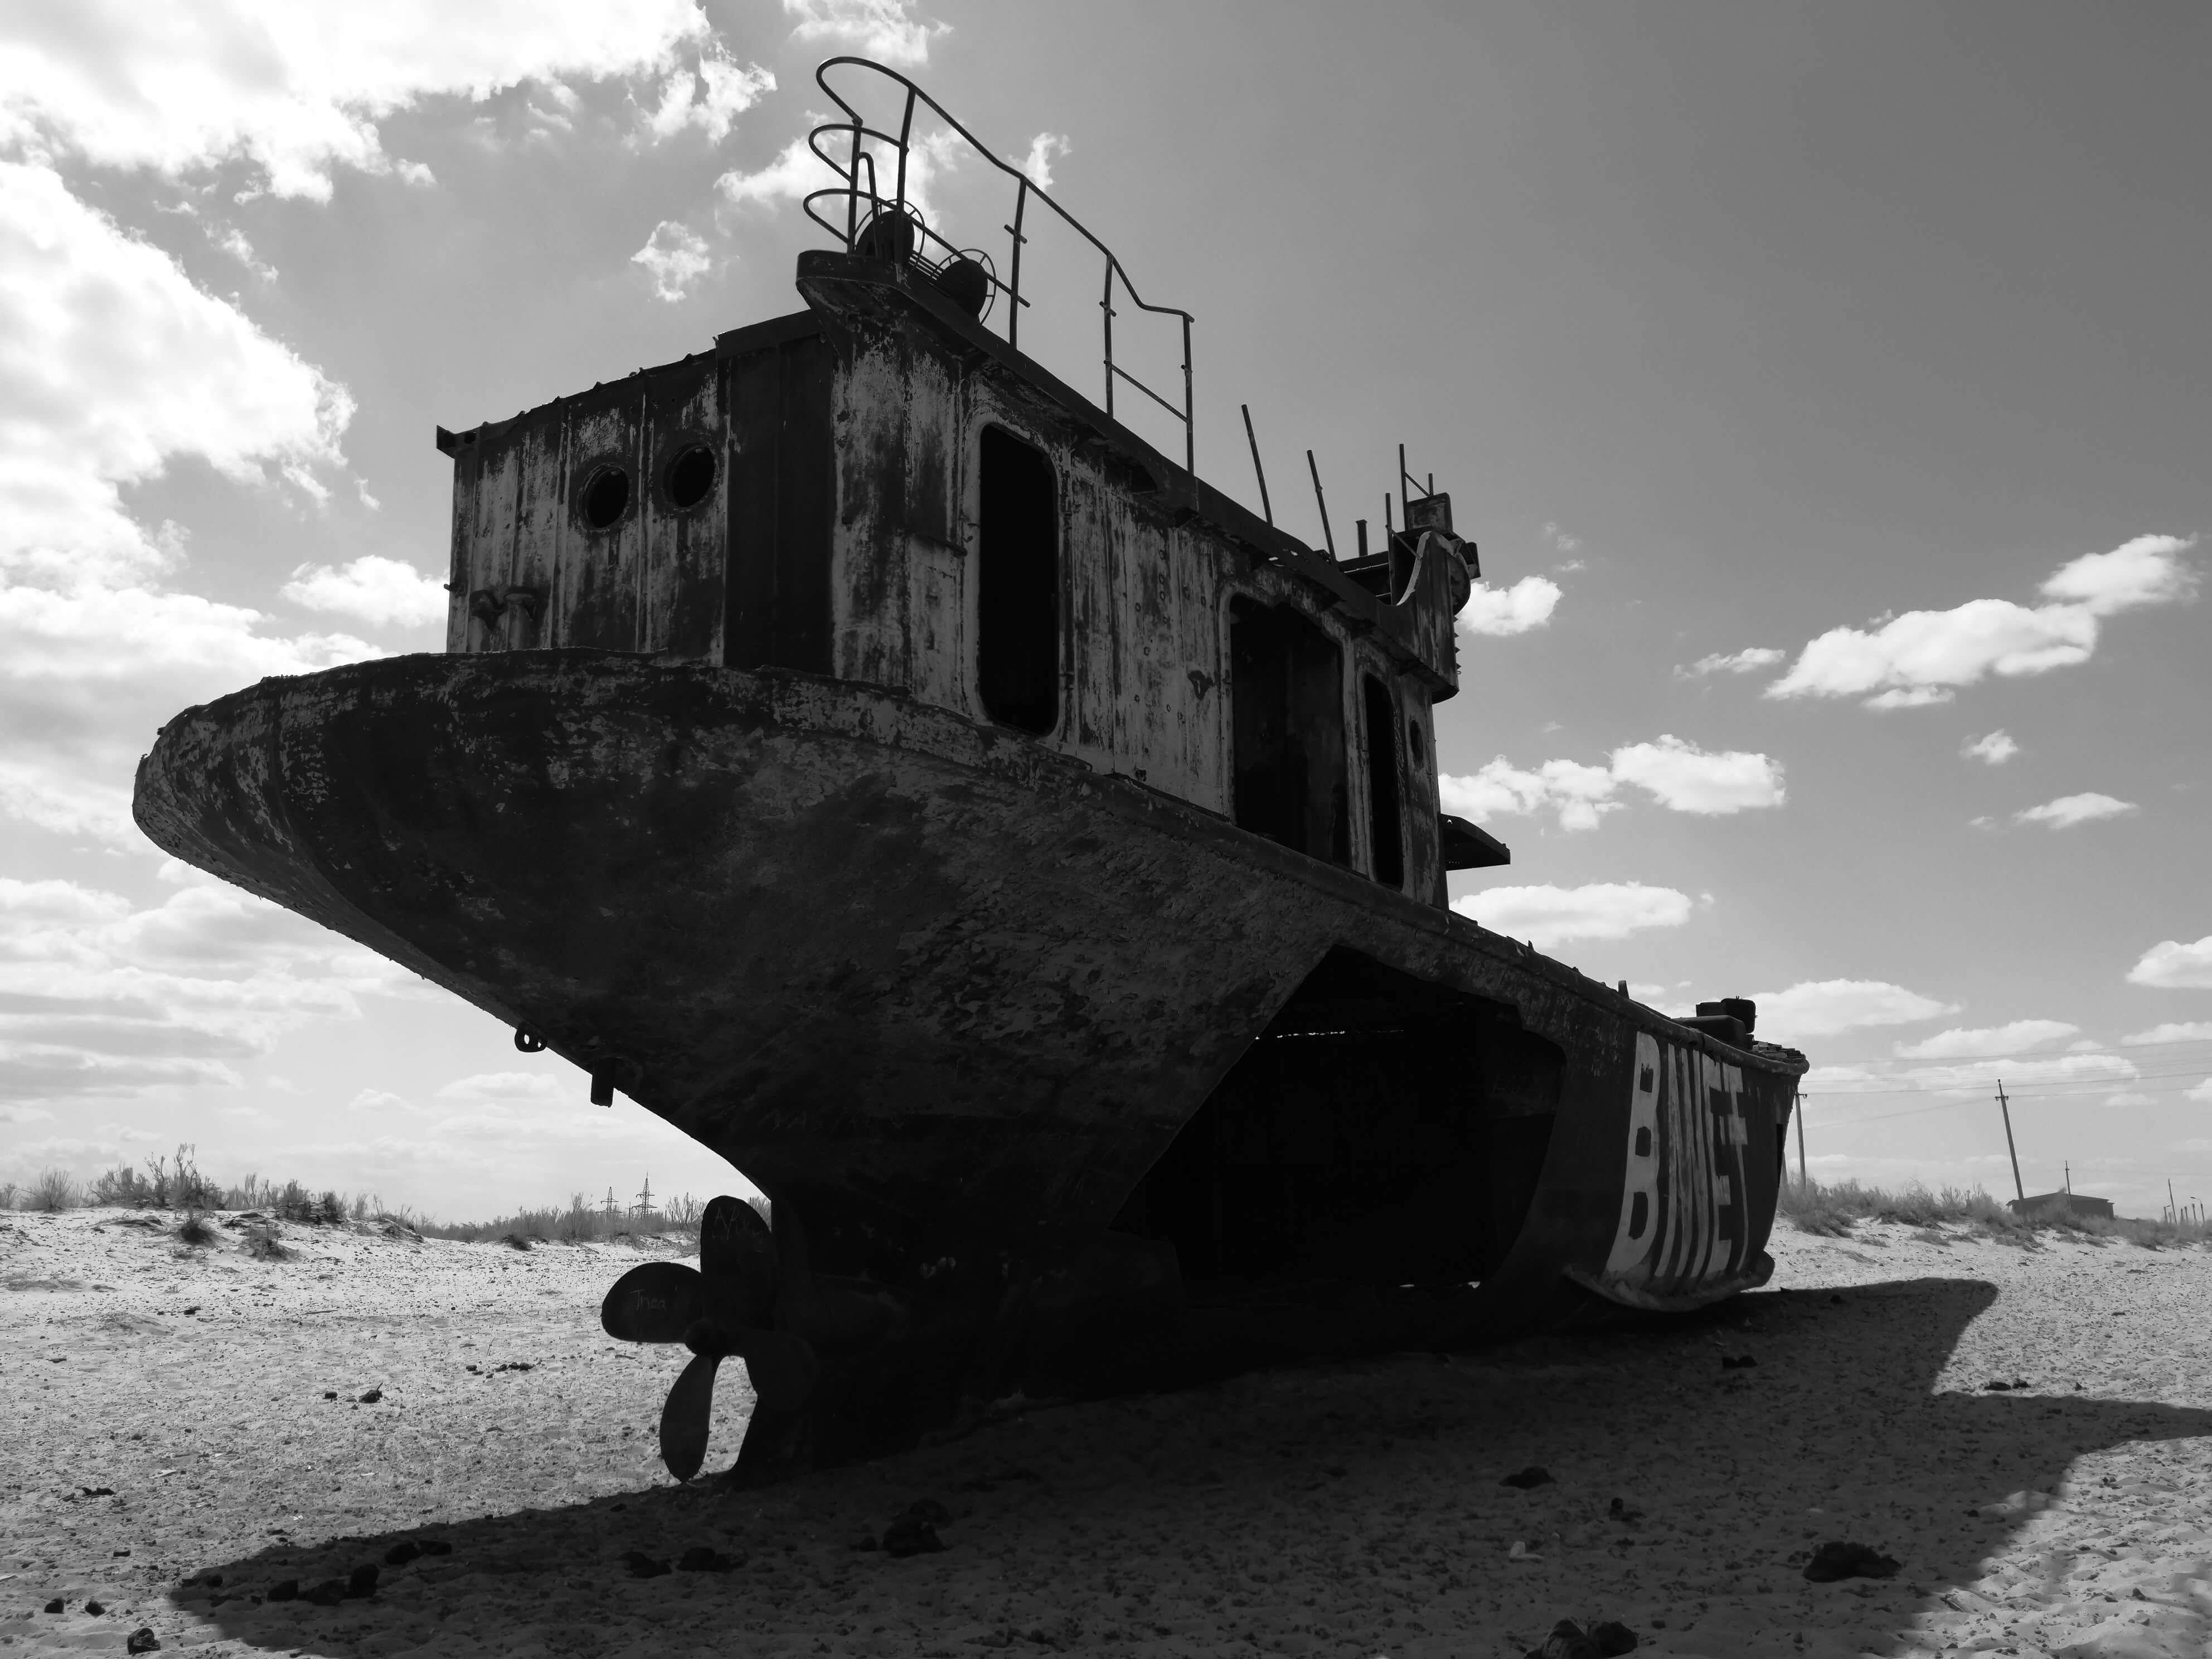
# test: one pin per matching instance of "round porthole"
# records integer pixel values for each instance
(690, 477)
(605, 498)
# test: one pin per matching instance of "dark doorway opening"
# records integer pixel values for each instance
(1287, 692)
(1383, 1131)
(1018, 585)
(1383, 833)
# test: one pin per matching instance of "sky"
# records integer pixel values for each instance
(1823, 385)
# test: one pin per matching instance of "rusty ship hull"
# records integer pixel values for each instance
(954, 998)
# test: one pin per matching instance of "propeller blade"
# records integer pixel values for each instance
(737, 1252)
(781, 1366)
(685, 1419)
(655, 1303)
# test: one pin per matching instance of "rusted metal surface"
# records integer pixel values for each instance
(945, 992)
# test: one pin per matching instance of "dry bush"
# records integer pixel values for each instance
(54, 1191)
(7, 1191)
(264, 1244)
(194, 1230)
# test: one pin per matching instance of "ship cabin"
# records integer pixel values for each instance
(884, 488)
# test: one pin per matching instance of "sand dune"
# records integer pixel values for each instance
(167, 1419)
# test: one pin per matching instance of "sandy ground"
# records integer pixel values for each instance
(164, 1416)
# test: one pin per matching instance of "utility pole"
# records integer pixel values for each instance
(2005, 1106)
(1802, 1187)
(645, 1198)
(2172, 1208)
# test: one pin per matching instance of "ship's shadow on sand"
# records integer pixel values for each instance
(1060, 1518)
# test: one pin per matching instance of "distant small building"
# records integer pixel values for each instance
(2056, 1206)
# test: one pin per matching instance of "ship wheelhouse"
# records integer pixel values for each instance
(882, 490)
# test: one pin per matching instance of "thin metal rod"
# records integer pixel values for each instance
(1327, 535)
(1258, 470)
(1014, 288)
(2005, 1106)
(1190, 420)
(1803, 1185)
(1106, 304)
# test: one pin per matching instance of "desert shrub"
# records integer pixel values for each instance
(195, 1229)
(123, 1187)
(54, 1191)
(264, 1243)
(7, 1191)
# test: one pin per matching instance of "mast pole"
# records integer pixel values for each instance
(2005, 1106)
(1261, 471)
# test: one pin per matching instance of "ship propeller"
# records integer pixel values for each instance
(724, 1307)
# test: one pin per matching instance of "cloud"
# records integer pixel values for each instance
(2202, 1091)
(1560, 539)
(113, 365)
(1678, 775)
(512, 1085)
(1991, 1042)
(1749, 660)
(385, 593)
(1037, 164)
(2171, 965)
(886, 30)
(297, 92)
(709, 94)
(1550, 916)
(1580, 794)
(1923, 657)
(1684, 778)
(1498, 612)
(2198, 1030)
(1825, 1007)
(100, 998)
(675, 257)
(1982, 1076)
(2069, 809)
(1995, 750)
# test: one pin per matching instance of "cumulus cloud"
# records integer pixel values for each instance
(1994, 749)
(1990, 1042)
(1923, 657)
(2171, 965)
(1044, 149)
(2069, 809)
(675, 257)
(1825, 1007)
(1982, 1076)
(100, 998)
(1749, 660)
(886, 30)
(386, 592)
(2203, 1092)
(1676, 774)
(709, 94)
(112, 365)
(1549, 916)
(1497, 612)
(297, 92)
(2197, 1030)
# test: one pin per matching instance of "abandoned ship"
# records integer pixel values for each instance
(1020, 860)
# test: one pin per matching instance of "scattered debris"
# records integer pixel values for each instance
(96, 1491)
(330, 1394)
(1529, 1479)
(1520, 1552)
(328, 1593)
(1998, 1385)
(402, 1553)
(1620, 1512)
(189, 1312)
(95, 1608)
(143, 1640)
(1835, 1561)
(372, 1397)
(642, 1565)
(1738, 1362)
(915, 1531)
(512, 1365)
(56, 1605)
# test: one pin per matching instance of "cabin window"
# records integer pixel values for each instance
(606, 497)
(690, 479)
(1018, 585)
(1381, 720)
(1286, 690)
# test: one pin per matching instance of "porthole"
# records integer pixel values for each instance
(605, 498)
(690, 479)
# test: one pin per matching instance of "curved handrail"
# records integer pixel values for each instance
(854, 192)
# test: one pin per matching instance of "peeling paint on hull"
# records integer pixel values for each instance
(946, 991)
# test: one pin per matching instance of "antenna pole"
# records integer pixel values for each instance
(1258, 470)
(1327, 535)
(2005, 1106)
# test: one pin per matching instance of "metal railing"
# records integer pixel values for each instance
(892, 227)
